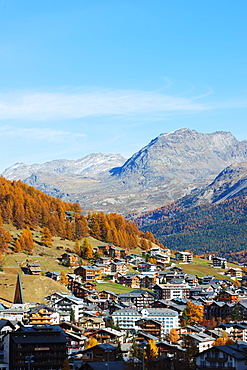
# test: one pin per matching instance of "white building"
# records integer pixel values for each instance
(126, 318)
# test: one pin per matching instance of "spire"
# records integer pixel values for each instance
(19, 297)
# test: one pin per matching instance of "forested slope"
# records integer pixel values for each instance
(209, 228)
(28, 208)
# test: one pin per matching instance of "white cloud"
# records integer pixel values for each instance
(67, 104)
(46, 134)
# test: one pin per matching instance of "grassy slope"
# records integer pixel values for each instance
(202, 267)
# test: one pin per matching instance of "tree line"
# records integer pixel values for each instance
(28, 209)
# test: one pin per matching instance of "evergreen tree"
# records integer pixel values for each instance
(236, 314)
(72, 315)
(119, 352)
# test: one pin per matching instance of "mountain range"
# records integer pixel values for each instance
(184, 166)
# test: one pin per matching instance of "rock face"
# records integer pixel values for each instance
(169, 167)
(183, 153)
(232, 181)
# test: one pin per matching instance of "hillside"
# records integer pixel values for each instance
(208, 228)
(29, 210)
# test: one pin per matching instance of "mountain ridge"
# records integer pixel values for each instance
(164, 170)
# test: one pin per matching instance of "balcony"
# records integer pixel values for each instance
(216, 359)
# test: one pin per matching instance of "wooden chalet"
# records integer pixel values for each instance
(107, 294)
(78, 289)
(101, 352)
(93, 322)
(33, 268)
(227, 296)
(149, 326)
(88, 273)
(129, 280)
(70, 259)
(106, 335)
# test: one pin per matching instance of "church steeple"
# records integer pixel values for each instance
(19, 297)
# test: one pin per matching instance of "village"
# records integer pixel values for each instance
(168, 319)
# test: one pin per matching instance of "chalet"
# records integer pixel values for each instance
(106, 260)
(185, 257)
(105, 269)
(150, 326)
(171, 291)
(68, 303)
(147, 281)
(227, 296)
(101, 352)
(160, 265)
(70, 327)
(154, 250)
(242, 305)
(189, 329)
(139, 298)
(88, 273)
(78, 289)
(118, 252)
(227, 356)
(107, 294)
(104, 248)
(144, 337)
(70, 259)
(219, 262)
(203, 341)
(17, 312)
(33, 268)
(192, 280)
(235, 331)
(219, 309)
(120, 267)
(91, 286)
(146, 266)
(42, 315)
(206, 279)
(6, 326)
(106, 335)
(54, 275)
(75, 342)
(234, 272)
(95, 323)
(130, 280)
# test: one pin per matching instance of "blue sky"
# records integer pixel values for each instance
(84, 76)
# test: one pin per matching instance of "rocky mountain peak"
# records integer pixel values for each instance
(166, 169)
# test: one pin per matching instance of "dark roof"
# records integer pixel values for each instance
(4, 322)
(111, 365)
(45, 334)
